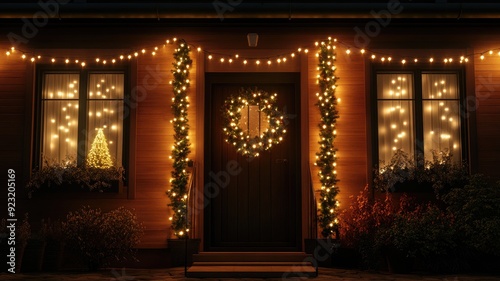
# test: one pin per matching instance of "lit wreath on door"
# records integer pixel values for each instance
(252, 121)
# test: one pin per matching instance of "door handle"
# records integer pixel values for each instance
(281, 160)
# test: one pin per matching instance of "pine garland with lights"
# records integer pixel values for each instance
(99, 156)
(181, 148)
(326, 156)
(244, 143)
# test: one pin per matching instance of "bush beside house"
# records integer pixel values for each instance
(99, 238)
(458, 230)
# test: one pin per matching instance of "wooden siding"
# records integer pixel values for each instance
(13, 106)
(487, 111)
(154, 134)
(351, 129)
(155, 140)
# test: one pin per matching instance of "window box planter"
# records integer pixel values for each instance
(71, 179)
(413, 186)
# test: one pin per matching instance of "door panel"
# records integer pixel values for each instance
(255, 206)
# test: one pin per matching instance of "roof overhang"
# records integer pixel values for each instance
(238, 9)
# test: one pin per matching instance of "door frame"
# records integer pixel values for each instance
(249, 78)
(302, 66)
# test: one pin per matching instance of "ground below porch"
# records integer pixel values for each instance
(178, 274)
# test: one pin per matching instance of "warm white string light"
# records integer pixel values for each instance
(108, 60)
(231, 59)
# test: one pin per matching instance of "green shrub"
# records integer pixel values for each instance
(361, 224)
(476, 209)
(101, 237)
(419, 230)
(23, 231)
(459, 230)
(378, 226)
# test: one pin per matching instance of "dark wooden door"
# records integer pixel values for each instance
(253, 204)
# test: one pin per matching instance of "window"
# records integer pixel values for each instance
(74, 107)
(253, 121)
(418, 112)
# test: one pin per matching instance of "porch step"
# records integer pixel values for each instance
(250, 256)
(256, 263)
(251, 265)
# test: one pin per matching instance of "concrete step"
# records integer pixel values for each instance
(251, 256)
(251, 265)
(250, 271)
(248, 263)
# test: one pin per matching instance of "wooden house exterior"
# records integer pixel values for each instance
(273, 208)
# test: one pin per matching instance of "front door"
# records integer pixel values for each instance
(253, 204)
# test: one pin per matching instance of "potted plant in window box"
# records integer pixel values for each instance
(104, 179)
(66, 176)
(404, 174)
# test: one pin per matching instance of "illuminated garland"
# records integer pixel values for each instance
(244, 143)
(326, 158)
(180, 150)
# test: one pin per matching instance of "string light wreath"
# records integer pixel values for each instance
(244, 143)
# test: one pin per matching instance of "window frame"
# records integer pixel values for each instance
(84, 74)
(418, 116)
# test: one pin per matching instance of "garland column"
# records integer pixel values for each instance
(325, 157)
(181, 148)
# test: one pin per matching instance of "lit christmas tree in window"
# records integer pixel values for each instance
(99, 156)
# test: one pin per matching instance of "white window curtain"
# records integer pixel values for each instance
(441, 115)
(395, 100)
(105, 111)
(60, 118)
